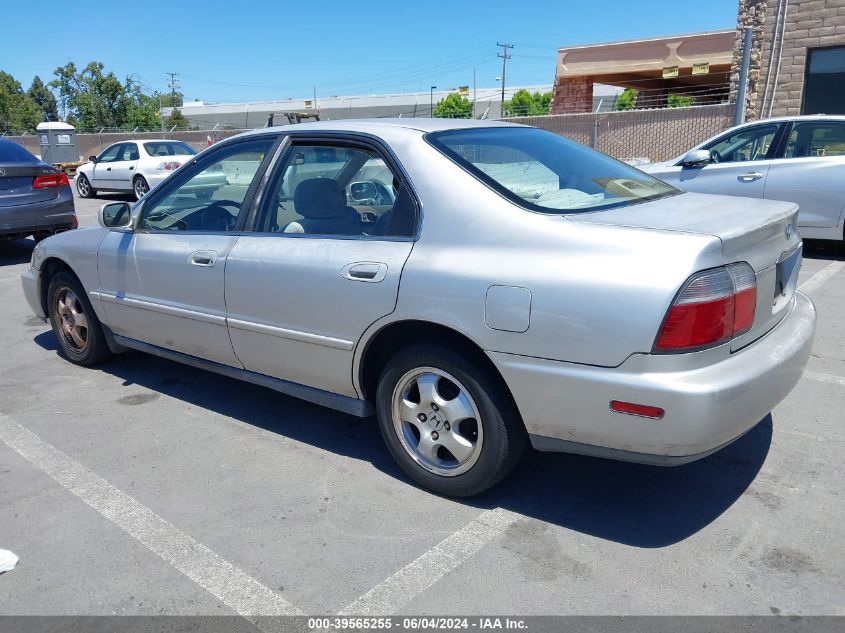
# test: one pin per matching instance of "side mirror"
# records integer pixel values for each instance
(363, 191)
(115, 215)
(93, 159)
(697, 158)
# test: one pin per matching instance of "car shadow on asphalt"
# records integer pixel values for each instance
(16, 251)
(633, 504)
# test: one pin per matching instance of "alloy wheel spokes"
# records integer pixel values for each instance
(73, 322)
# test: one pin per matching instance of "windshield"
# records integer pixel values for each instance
(546, 172)
(169, 148)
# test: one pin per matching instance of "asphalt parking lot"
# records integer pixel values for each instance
(147, 487)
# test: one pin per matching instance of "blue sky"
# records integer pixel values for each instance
(225, 50)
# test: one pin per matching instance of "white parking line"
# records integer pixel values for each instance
(817, 280)
(829, 378)
(232, 586)
(417, 576)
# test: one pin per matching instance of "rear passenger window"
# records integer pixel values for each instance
(332, 190)
(816, 139)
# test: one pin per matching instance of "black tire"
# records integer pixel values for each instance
(140, 187)
(96, 349)
(84, 188)
(504, 435)
(203, 194)
(38, 237)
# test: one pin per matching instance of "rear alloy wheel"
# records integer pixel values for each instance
(74, 322)
(449, 425)
(140, 187)
(83, 187)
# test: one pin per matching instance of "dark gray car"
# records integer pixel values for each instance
(35, 198)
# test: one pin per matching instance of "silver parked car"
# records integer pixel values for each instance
(800, 159)
(477, 285)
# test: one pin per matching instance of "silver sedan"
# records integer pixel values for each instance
(478, 286)
(800, 159)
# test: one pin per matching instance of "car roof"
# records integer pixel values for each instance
(797, 117)
(375, 125)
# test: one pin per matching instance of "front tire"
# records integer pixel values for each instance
(76, 326)
(140, 187)
(83, 187)
(447, 422)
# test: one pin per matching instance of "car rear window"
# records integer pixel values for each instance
(545, 172)
(13, 153)
(168, 148)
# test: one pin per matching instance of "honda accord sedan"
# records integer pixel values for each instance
(477, 286)
(35, 198)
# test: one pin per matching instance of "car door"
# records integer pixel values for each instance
(101, 174)
(739, 164)
(810, 170)
(123, 169)
(314, 272)
(162, 283)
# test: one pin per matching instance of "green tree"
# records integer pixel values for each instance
(18, 112)
(90, 97)
(523, 103)
(142, 110)
(45, 99)
(454, 106)
(678, 101)
(172, 99)
(626, 100)
(178, 119)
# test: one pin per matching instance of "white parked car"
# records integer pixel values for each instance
(138, 166)
(799, 159)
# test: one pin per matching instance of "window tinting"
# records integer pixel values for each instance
(546, 172)
(11, 152)
(816, 139)
(824, 83)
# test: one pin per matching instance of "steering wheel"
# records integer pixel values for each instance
(228, 221)
(715, 156)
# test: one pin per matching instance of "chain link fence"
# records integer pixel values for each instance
(90, 143)
(658, 134)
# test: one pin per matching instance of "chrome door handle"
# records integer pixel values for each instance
(372, 272)
(203, 258)
(750, 176)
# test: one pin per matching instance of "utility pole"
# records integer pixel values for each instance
(505, 57)
(474, 92)
(173, 85)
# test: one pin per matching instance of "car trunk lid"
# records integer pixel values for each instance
(760, 232)
(16, 185)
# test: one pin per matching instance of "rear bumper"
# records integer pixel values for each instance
(47, 216)
(567, 407)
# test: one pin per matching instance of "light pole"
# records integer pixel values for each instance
(431, 100)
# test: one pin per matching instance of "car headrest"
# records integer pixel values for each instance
(319, 198)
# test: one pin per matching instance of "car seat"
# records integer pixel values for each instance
(322, 205)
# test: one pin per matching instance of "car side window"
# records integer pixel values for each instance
(110, 154)
(207, 196)
(748, 144)
(816, 138)
(130, 152)
(336, 190)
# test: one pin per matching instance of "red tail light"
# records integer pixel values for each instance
(74, 223)
(712, 307)
(50, 180)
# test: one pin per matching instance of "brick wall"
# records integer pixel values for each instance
(573, 94)
(773, 90)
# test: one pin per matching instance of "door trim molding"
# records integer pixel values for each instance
(161, 308)
(294, 335)
(346, 404)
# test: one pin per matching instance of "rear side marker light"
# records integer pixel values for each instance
(50, 180)
(642, 410)
(713, 306)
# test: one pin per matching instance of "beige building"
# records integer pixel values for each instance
(696, 66)
(797, 59)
